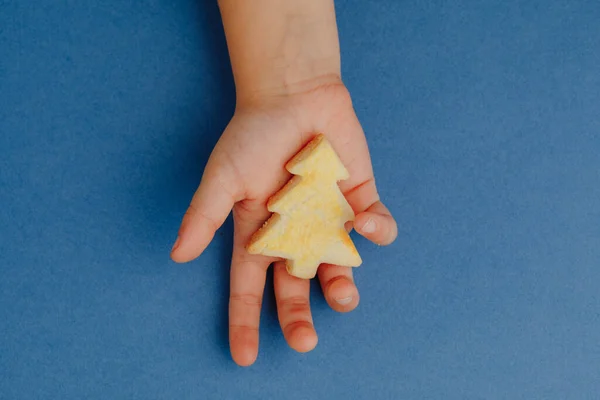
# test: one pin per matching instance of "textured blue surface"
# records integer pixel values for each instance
(484, 122)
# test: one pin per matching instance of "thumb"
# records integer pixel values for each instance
(208, 210)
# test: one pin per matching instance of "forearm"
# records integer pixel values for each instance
(280, 47)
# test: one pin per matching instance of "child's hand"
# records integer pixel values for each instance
(244, 170)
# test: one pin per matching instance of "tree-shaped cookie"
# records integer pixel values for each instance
(309, 213)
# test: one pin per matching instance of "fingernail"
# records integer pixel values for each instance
(344, 301)
(176, 245)
(369, 226)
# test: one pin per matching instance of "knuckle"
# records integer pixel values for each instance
(190, 212)
(193, 212)
(239, 328)
(295, 304)
(246, 299)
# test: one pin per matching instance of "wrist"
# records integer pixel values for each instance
(287, 86)
(281, 48)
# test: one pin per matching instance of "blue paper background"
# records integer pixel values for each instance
(483, 118)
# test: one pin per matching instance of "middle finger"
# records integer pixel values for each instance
(293, 309)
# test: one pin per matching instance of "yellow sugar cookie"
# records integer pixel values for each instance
(309, 213)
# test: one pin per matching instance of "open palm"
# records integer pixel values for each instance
(245, 168)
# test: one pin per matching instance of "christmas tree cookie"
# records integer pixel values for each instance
(309, 213)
